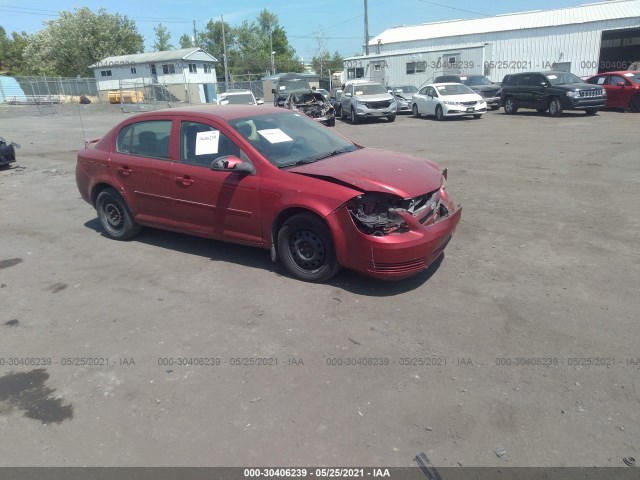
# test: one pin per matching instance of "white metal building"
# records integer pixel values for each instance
(187, 75)
(584, 40)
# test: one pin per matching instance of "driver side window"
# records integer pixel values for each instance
(201, 144)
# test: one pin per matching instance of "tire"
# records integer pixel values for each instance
(439, 114)
(354, 117)
(115, 216)
(414, 110)
(477, 116)
(634, 103)
(541, 110)
(338, 110)
(591, 111)
(342, 114)
(510, 106)
(331, 122)
(555, 107)
(391, 118)
(306, 248)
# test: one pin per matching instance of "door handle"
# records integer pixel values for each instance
(124, 171)
(185, 181)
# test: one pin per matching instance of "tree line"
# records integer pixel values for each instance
(67, 45)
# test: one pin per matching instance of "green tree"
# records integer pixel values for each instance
(323, 62)
(211, 39)
(69, 44)
(11, 48)
(162, 38)
(185, 41)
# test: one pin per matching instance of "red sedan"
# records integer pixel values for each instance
(273, 179)
(623, 89)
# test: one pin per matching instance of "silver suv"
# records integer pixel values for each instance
(364, 98)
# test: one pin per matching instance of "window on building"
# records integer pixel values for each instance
(207, 68)
(416, 67)
(193, 68)
(133, 69)
(357, 72)
(411, 68)
(377, 67)
(168, 68)
(153, 70)
(105, 73)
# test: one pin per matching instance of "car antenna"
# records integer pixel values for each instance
(84, 137)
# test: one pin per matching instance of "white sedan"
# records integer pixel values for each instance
(447, 100)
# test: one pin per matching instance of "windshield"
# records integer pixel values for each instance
(369, 89)
(477, 80)
(405, 89)
(293, 85)
(240, 99)
(456, 89)
(634, 77)
(287, 139)
(563, 77)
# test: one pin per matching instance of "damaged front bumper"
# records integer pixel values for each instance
(399, 252)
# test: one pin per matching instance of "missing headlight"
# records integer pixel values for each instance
(377, 214)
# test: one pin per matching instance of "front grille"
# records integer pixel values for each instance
(400, 267)
(488, 94)
(468, 104)
(384, 104)
(591, 93)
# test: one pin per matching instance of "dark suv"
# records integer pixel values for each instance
(553, 91)
(479, 84)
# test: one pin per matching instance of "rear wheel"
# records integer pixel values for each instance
(510, 106)
(634, 103)
(415, 111)
(591, 111)
(114, 215)
(354, 117)
(306, 248)
(343, 116)
(439, 114)
(477, 116)
(555, 107)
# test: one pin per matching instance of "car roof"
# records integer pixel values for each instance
(440, 84)
(235, 92)
(617, 72)
(220, 112)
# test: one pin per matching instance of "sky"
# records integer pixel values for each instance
(333, 25)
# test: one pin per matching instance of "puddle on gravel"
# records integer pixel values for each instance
(27, 391)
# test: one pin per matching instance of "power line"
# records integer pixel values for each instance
(454, 8)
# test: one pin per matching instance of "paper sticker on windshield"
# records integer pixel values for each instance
(282, 87)
(463, 78)
(629, 74)
(275, 135)
(552, 77)
(441, 87)
(207, 142)
(359, 92)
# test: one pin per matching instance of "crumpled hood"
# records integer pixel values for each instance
(372, 170)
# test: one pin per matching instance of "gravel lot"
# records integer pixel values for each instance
(543, 270)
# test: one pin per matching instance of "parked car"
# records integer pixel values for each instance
(334, 99)
(403, 95)
(365, 99)
(554, 91)
(479, 84)
(313, 104)
(623, 89)
(448, 100)
(325, 93)
(238, 97)
(274, 179)
(7, 153)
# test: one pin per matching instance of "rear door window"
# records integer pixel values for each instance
(145, 139)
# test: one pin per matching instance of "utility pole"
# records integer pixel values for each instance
(224, 56)
(366, 27)
(195, 34)
(271, 52)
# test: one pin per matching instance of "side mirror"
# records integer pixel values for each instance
(232, 162)
(273, 90)
(347, 95)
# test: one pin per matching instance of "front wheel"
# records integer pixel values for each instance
(306, 248)
(415, 111)
(391, 118)
(510, 106)
(439, 114)
(555, 107)
(354, 117)
(634, 103)
(591, 111)
(114, 215)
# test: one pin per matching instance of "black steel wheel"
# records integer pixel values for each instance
(306, 248)
(114, 215)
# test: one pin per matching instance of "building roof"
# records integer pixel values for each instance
(155, 57)
(593, 12)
